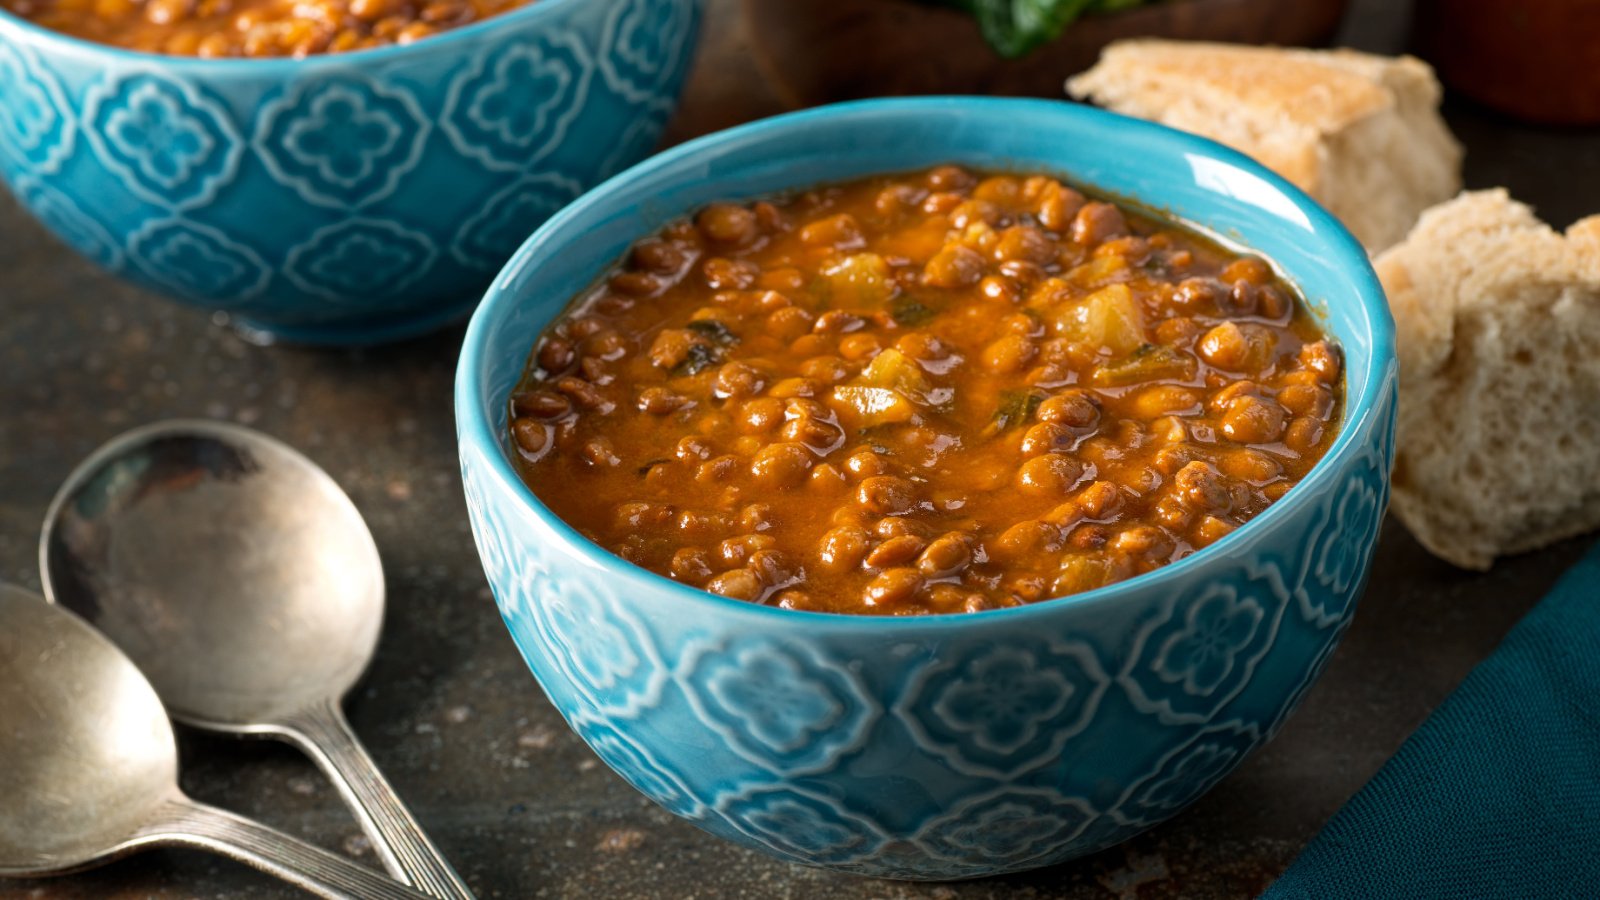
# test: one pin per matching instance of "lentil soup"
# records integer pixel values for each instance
(927, 393)
(254, 28)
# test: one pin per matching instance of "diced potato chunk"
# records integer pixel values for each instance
(895, 370)
(862, 280)
(1108, 320)
(1082, 572)
(887, 391)
(860, 406)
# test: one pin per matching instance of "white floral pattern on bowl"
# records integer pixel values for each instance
(344, 142)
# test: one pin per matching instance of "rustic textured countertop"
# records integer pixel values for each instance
(449, 711)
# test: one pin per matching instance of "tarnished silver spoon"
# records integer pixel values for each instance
(247, 588)
(89, 769)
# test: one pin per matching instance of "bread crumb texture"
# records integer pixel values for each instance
(1498, 320)
(1360, 133)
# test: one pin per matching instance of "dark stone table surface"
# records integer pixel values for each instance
(450, 713)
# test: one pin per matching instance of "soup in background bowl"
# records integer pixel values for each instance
(953, 746)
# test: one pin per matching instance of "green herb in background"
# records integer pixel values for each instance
(1014, 27)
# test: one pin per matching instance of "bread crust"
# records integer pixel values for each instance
(1498, 321)
(1359, 133)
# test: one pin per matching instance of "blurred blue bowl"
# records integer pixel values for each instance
(947, 746)
(345, 198)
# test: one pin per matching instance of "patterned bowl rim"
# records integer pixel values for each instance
(475, 431)
(270, 66)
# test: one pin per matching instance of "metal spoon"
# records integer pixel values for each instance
(245, 585)
(89, 769)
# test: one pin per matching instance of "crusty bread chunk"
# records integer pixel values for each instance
(1359, 133)
(1498, 322)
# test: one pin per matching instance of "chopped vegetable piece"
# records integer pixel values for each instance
(862, 281)
(911, 313)
(1016, 407)
(1151, 362)
(696, 359)
(714, 330)
(867, 407)
(893, 369)
(1082, 572)
(1108, 321)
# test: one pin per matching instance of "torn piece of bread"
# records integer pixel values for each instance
(1360, 133)
(1498, 320)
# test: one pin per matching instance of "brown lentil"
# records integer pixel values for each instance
(740, 584)
(896, 551)
(255, 28)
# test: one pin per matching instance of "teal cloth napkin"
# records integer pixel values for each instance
(1497, 794)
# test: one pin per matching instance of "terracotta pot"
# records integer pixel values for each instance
(1537, 61)
(819, 51)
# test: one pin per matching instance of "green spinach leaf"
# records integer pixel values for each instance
(1016, 407)
(713, 330)
(911, 313)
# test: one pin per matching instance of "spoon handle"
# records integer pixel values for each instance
(181, 822)
(325, 735)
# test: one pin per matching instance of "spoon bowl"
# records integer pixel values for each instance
(89, 767)
(245, 585)
(232, 569)
(84, 732)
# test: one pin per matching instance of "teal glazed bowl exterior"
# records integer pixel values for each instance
(936, 747)
(344, 198)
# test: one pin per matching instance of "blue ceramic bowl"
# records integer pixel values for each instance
(946, 746)
(342, 198)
